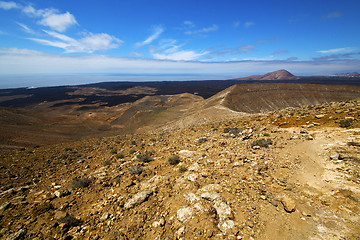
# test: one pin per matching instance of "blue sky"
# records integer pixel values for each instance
(219, 39)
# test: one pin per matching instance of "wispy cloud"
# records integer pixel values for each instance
(332, 15)
(280, 52)
(236, 24)
(249, 24)
(25, 28)
(292, 58)
(48, 17)
(340, 57)
(170, 50)
(189, 24)
(274, 39)
(88, 44)
(157, 31)
(233, 51)
(212, 28)
(137, 54)
(8, 5)
(337, 50)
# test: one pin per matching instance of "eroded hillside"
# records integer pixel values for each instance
(288, 174)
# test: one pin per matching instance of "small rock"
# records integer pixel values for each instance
(180, 231)
(309, 137)
(5, 206)
(226, 226)
(319, 116)
(274, 203)
(104, 216)
(211, 196)
(137, 199)
(184, 214)
(211, 188)
(61, 193)
(59, 215)
(202, 140)
(195, 167)
(223, 210)
(159, 223)
(335, 156)
(289, 204)
(192, 177)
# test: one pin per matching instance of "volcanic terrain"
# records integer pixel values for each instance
(253, 161)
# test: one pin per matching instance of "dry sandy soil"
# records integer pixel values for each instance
(286, 174)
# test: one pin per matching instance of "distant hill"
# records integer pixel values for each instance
(276, 75)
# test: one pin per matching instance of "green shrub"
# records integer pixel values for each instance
(132, 151)
(120, 156)
(266, 134)
(182, 169)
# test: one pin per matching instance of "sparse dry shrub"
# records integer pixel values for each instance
(174, 160)
(113, 151)
(80, 182)
(136, 170)
(182, 169)
(144, 158)
(262, 142)
(70, 221)
(107, 163)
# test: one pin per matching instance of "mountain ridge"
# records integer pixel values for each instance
(281, 74)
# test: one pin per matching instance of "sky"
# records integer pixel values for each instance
(50, 42)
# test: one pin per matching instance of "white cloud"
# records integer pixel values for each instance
(15, 62)
(89, 44)
(156, 33)
(49, 17)
(337, 50)
(58, 22)
(8, 5)
(248, 24)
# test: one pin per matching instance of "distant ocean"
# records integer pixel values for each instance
(49, 81)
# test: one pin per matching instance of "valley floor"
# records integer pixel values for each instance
(288, 174)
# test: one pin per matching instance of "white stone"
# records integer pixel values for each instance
(192, 177)
(223, 210)
(211, 196)
(191, 197)
(184, 214)
(226, 225)
(211, 188)
(137, 199)
(195, 167)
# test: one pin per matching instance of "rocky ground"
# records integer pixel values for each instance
(289, 174)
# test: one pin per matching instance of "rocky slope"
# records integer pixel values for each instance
(287, 174)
